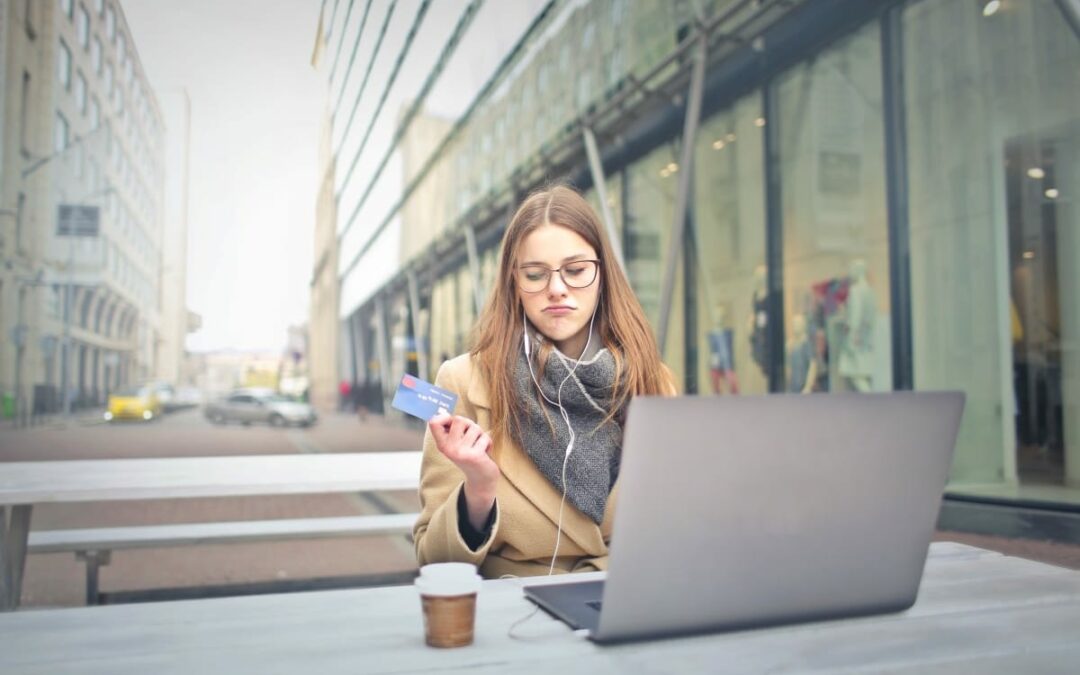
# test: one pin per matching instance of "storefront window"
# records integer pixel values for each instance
(729, 245)
(835, 237)
(993, 128)
(651, 187)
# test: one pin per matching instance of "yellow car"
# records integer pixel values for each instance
(133, 403)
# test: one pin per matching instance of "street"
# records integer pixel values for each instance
(58, 579)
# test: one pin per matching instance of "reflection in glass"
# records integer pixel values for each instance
(993, 123)
(729, 242)
(651, 185)
(836, 274)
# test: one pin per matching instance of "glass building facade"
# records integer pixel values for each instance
(883, 196)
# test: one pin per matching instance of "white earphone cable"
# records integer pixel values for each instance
(565, 416)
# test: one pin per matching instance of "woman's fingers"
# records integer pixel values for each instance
(484, 442)
(439, 426)
(460, 439)
(468, 439)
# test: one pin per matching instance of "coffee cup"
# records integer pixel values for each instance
(448, 597)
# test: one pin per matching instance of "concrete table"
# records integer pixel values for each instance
(977, 612)
(23, 484)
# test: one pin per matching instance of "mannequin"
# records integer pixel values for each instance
(857, 348)
(802, 366)
(721, 359)
(759, 319)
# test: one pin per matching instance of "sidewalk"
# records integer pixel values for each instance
(84, 417)
(345, 432)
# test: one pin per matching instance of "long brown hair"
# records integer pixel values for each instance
(621, 323)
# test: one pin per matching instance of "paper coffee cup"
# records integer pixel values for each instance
(448, 598)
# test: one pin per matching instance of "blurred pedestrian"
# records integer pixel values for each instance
(344, 395)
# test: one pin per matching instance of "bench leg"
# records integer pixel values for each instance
(94, 560)
(13, 538)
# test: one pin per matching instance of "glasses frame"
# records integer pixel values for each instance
(558, 270)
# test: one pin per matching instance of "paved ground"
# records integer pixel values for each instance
(58, 580)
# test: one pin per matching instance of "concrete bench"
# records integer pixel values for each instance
(94, 546)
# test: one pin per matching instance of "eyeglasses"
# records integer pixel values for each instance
(576, 274)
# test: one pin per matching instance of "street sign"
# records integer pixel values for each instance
(76, 220)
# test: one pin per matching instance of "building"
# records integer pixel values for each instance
(81, 128)
(176, 320)
(815, 196)
(324, 323)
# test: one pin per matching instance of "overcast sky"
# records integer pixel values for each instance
(255, 110)
(256, 106)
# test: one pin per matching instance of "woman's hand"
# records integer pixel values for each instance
(464, 443)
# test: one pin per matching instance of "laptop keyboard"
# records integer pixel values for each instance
(595, 604)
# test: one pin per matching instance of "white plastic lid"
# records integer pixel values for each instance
(449, 586)
(448, 570)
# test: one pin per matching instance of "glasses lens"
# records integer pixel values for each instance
(579, 274)
(533, 278)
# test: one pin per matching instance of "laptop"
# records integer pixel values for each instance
(750, 511)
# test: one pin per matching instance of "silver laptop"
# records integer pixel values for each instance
(739, 512)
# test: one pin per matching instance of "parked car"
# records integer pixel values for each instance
(133, 403)
(166, 395)
(249, 406)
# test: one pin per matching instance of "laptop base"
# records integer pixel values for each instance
(576, 603)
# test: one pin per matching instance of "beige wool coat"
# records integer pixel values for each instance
(526, 504)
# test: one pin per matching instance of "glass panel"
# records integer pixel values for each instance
(836, 272)
(651, 186)
(60, 134)
(993, 119)
(82, 25)
(63, 65)
(80, 92)
(729, 220)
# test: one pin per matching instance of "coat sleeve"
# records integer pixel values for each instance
(437, 532)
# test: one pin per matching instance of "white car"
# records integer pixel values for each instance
(249, 406)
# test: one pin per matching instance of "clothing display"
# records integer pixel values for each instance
(720, 350)
(799, 356)
(759, 344)
(824, 324)
(857, 350)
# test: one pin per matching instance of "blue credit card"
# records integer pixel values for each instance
(423, 399)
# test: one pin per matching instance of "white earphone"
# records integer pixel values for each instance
(562, 411)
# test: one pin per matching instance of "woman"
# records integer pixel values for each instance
(560, 349)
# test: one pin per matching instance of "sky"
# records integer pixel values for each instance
(257, 105)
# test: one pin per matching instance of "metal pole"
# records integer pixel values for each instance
(597, 169)
(65, 370)
(686, 165)
(1070, 10)
(20, 347)
(382, 346)
(474, 267)
(418, 334)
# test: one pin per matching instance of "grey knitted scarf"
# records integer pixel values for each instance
(587, 398)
